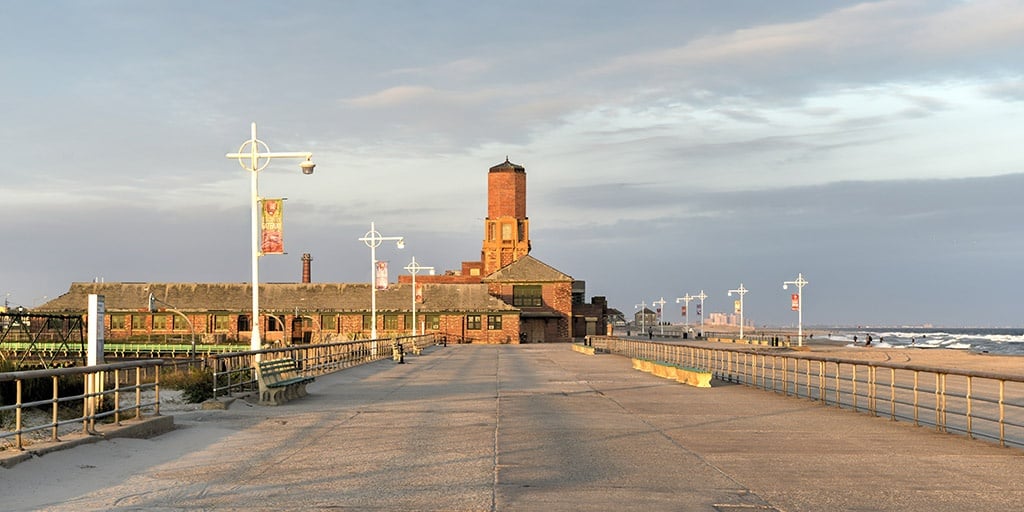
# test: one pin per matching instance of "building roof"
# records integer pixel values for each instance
(507, 166)
(527, 270)
(278, 297)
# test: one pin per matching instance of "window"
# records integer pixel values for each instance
(367, 322)
(506, 231)
(221, 323)
(526, 295)
(490, 232)
(118, 321)
(160, 323)
(390, 322)
(244, 323)
(179, 323)
(493, 322)
(274, 324)
(432, 322)
(473, 322)
(138, 322)
(329, 322)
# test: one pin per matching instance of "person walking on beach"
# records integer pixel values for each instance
(868, 342)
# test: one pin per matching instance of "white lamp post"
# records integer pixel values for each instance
(686, 300)
(254, 155)
(701, 296)
(643, 314)
(414, 268)
(373, 240)
(741, 291)
(661, 307)
(799, 283)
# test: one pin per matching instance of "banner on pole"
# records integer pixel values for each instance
(684, 310)
(699, 307)
(796, 301)
(419, 293)
(737, 307)
(381, 280)
(272, 226)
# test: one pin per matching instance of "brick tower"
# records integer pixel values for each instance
(506, 228)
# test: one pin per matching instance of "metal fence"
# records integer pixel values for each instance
(100, 396)
(235, 371)
(977, 404)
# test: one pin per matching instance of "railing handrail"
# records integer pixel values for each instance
(776, 351)
(76, 370)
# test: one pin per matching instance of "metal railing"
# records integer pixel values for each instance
(235, 371)
(99, 397)
(982, 405)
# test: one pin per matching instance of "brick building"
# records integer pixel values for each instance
(507, 296)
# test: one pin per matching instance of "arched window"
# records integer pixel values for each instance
(243, 323)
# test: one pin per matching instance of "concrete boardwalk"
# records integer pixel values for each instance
(527, 428)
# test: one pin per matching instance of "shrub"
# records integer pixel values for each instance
(196, 384)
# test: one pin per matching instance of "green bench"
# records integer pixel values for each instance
(280, 381)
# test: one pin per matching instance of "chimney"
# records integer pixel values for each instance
(306, 259)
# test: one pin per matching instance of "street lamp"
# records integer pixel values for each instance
(254, 155)
(741, 291)
(686, 307)
(661, 307)
(799, 283)
(414, 269)
(701, 296)
(373, 240)
(643, 314)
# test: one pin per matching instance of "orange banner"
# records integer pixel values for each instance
(795, 298)
(273, 226)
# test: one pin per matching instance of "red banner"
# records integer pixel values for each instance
(684, 310)
(272, 226)
(381, 280)
(796, 301)
(419, 293)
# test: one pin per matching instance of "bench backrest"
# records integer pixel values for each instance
(277, 370)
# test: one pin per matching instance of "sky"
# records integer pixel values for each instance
(670, 146)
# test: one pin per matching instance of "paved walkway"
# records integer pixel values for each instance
(526, 428)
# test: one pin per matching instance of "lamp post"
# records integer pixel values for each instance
(741, 291)
(661, 307)
(685, 299)
(701, 296)
(373, 240)
(254, 155)
(414, 268)
(799, 283)
(643, 314)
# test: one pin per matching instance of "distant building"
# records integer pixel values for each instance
(645, 317)
(507, 296)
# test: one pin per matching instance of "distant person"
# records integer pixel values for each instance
(868, 342)
(913, 341)
(854, 340)
(650, 333)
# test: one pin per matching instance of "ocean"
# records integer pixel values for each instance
(988, 341)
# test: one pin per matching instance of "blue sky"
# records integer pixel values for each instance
(670, 146)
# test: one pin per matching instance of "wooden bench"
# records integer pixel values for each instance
(280, 381)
